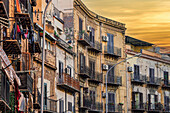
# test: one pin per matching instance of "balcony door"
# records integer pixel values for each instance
(137, 100)
(45, 96)
(92, 36)
(111, 75)
(151, 75)
(111, 102)
(166, 103)
(136, 72)
(166, 78)
(152, 100)
(60, 70)
(80, 28)
(110, 43)
(93, 99)
(82, 63)
(92, 69)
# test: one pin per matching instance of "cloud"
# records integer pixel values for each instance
(143, 18)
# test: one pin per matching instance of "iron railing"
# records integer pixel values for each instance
(138, 106)
(84, 37)
(138, 78)
(96, 106)
(112, 107)
(97, 76)
(166, 108)
(153, 81)
(96, 45)
(117, 80)
(6, 3)
(155, 107)
(69, 81)
(50, 105)
(109, 49)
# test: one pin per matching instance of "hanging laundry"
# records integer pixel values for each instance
(18, 6)
(18, 29)
(22, 103)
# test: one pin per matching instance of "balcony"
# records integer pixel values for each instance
(26, 81)
(84, 71)
(63, 44)
(4, 92)
(37, 99)
(166, 84)
(112, 51)
(157, 107)
(4, 10)
(49, 58)
(24, 13)
(138, 106)
(96, 77)
(153, 81)
(96, 46)
(114, 80)
(50, 106)
(138, 79)
(114, 108)
(166, 108)
(84, 39)
(69, 83)
(91, 106)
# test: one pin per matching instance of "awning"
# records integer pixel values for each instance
(9, 71)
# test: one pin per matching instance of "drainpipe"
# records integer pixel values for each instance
(126, 86)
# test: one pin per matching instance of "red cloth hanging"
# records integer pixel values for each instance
(17, 94)
(18, 29)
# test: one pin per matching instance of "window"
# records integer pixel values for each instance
(166, 78)
(70, 70)
(166, 103)
(60, 69)
(45, 44)
(92, 35)
(110, 43)
(152, 100)
(80, 28)
(49, 46)
(136, 72)
(69, 106)
(82, 63)
(111, 101)
(111, 75)
(92, 69)
(151, 75)
(61, 106)
(137, 100)
(45, 95)
(93, 97)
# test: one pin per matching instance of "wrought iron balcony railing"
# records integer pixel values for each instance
(92, 106)
(114, 80)
(155, 81)
(166, 108)
(95, 76)
(114, 108)
(69, 82)
(111, 50)
(84, 71)
(155, 107)
(97, 46)
(138, 106)
(84, 39)
(138, 78)
(50, 105)
(166, 83)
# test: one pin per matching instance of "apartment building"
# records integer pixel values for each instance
(99, 43)
(60, 83)
(148, 78)
(16, 56)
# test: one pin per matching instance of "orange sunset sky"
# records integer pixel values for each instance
(148, 20)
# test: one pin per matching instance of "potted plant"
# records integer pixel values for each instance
(41, 33)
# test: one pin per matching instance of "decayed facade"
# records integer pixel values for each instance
(148, 78)
(99, 43)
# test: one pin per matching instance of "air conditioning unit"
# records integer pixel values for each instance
(67, 71)
(103, 95)
(105, 67)
(88, 28)
(129, 69)
(105, 38)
